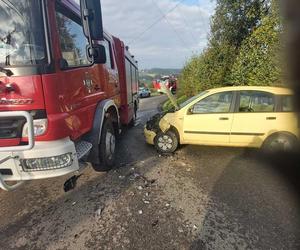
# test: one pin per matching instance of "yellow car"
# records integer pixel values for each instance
(229, 116)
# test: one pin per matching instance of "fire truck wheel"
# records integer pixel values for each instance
(107, 147)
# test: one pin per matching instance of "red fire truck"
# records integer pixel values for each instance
(66, 87)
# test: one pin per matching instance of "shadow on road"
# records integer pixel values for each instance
(255, 204)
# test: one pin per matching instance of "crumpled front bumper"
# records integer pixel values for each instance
(154, 125)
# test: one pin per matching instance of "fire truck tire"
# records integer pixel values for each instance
(107, 147)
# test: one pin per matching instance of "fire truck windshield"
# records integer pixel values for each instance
(21, 33)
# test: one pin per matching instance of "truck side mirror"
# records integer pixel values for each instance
(97, 52)
(91, 16)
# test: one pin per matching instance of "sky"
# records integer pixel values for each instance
(160, 33)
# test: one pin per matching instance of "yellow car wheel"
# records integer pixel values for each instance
(280, 142)
(166, 142)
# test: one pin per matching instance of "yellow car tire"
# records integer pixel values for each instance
(280, 142)
(166, 143)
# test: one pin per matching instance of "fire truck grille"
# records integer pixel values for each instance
(11, 128)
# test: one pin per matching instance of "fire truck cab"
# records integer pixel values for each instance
(66, 88)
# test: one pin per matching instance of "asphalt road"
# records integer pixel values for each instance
(198, 198)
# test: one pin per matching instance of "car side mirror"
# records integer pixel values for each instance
(91, 16)
(97, 52)
(191, 110)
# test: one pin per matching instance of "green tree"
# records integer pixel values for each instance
(234, 20)
(206, 71)
(259, 61)
(243, 48)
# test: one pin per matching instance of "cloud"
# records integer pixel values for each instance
(168, 43)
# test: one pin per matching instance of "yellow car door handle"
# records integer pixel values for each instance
(271, 118)
(223, 118)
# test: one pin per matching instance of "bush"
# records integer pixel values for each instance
(209, 70)
(250, 58)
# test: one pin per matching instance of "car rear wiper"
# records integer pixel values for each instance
(7, 72)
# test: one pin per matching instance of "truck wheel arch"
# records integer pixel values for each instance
(105, 109)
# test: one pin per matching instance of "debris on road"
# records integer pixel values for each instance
(74, 203)
(140, 211)
(99, 211)
(71, 183)
(134, 176)
(182, 164)
(154, 223)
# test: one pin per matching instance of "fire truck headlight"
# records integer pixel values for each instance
(39, 127)
(47, 163)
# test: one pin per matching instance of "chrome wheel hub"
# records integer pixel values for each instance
(165, 142)
(281, 144)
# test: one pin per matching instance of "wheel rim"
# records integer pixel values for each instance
(282, 144)
(165, 142)
(110, 143)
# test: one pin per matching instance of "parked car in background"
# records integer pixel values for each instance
(231, 116)
(144, 92)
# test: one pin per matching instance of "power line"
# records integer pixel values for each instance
(154, 23)
(188, 24)
(167, 21)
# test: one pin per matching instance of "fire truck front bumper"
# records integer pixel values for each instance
(44, 160)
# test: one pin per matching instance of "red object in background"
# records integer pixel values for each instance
(170, 82)
(156, 84)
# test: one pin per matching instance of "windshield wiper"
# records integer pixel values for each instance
(7, 72)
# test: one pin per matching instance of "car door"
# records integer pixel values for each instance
(254, 118)
(209, 120)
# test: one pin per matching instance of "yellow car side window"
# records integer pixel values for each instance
(216, 103)
(256, 101)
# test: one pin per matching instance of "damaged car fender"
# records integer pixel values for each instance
(164, 124)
